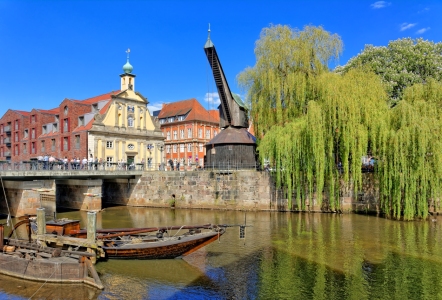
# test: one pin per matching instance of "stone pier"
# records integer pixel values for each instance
(79, 194)
(24, 197)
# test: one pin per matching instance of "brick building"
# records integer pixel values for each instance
(187, 126)
(115, 126)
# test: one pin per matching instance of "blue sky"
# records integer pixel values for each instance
(51, 50)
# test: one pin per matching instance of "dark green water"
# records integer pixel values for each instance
(284, 256)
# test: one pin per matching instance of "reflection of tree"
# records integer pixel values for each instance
(332, 257)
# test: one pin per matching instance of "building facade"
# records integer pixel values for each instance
(187, 127)
(112, 127)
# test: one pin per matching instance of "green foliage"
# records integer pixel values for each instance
(401, 64)
(314, 126)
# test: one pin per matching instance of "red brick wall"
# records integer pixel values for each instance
(75, 110)
(195, 140)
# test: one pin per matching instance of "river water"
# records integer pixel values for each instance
(283, 256)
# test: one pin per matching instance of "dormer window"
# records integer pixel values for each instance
(181, 118)
(81, 121)
(95, 108)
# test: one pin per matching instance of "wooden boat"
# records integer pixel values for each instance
(31, 261)
(156, 242)
(140, 243)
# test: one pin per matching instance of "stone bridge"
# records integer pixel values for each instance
(25, 191)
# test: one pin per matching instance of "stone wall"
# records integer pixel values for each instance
(79, 194)
(214, 190)
(24, 196)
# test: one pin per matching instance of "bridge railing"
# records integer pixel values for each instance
(59, 166)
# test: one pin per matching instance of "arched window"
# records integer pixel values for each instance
(130, 122)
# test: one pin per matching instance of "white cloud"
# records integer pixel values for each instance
(213, 99)
(423, 10)
(154, 106)
(380, 4)
(405, 26)
(420, 31)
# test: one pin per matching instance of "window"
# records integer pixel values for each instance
(162, 121)
(52, 144)
(43, 146)
(230, 147)
(167, 148)
(175, 136)
(16, 136)
(57, 118)
(189, 147)
(200, 133)
(109, 160)
(33, 149)
(200, 146)
(77, 142)
(55, 127)
(207, 133)
(189, 133)
(130, 108)
(16, 150)
(81, 121)
(33, 119)
(16, 124)
(170, 119)
(130, 122)
(174, 148)
(24, 148)
(25, 133)
(33, 133)
(181, 118)
(44, 129)
(66, 110)
(182, 133)
(95, 108)
(66, 143)
(65, 125)
(109, 144)
(215, 133)
(181, 148)
(168, 136)
(131, 146)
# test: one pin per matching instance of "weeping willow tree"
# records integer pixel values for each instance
(410, 171)
(315, 126)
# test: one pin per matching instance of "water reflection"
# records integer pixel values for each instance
(284, 256)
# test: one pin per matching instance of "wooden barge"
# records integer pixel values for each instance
(32, 261)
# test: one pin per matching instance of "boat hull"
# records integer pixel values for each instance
(162, 249)
(56, 270)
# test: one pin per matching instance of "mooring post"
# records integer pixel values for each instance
(41, 221)
(91, 227)
(91, 232)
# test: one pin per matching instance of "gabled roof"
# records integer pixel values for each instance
(196, 112)
(88, 126)
(99, 98)
(52, 111)
(22, 112)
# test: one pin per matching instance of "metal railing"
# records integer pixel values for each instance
(36, 165)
